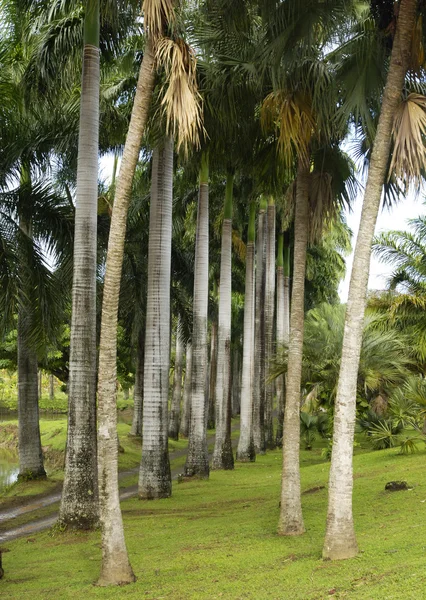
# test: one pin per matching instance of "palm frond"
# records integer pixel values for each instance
(408, 133)
(181, 100)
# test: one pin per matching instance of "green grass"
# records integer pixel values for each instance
(217, 539)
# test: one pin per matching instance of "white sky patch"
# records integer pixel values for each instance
(388, 219)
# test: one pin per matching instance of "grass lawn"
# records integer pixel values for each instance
(217, 539)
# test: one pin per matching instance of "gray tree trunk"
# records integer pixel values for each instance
(259, 337)
(51, 387)
(279, 382)
(136, 428)
(340, 541)
(269, 326)
(29, 444)
(236, 384)
(222, 454)
(291, 519)
(212, 379)
(246, 450)
(197, 461)
(186, 403)
(177, 387)
(154, 475)
(79, 502)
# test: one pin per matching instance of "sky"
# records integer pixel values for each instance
(388, 219)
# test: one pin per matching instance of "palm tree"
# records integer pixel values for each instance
(186, 402)
(283, 321)
(79, 501)
(136, 428)
(259, 333)
(197, 460)
(182, 108)
(269, 322)
(177, 386)
(154, 474)
(340, 541)
(291, 520)
(222, 455)
(246, 450)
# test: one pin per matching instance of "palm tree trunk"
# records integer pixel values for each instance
(29, 444)
(236, 383)
(79, 502)
(51, 387)
(291, 519)
(136, 428)
(246, 451)
(259, 334)
(269, 324)
(222, 455)
(186, 403)
(280, 336)
(115, 563)
(340, 541)
(154, 476)
(213, 375)
(197, 460)
(284, 335)
(177, 387)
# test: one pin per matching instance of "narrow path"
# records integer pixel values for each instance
(43, 523)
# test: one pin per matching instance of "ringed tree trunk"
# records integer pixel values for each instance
(291, 519)
(116, 568)
(136, 429)
(259, 334)
(269, 324)
(213, 375)
(155, 479)
(222, 455)
(177, 386)
(283, 322)
(29, 444)
(79, 503)
(246, 451)
(197, 460)
(340, 541)
(186, 403)
(236, 383)
(51, 387)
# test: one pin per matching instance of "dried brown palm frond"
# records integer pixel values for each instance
(238, 245)
(181, 101)
(157, 15)
(322, 204)
(409, 132)
(417, 54)
(290, 115)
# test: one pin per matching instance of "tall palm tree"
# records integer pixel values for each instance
(79, 501)
(246, 450)
(283, 322)
(291, 519)
(181, 104)
(186, 402)
(222, 455)
(340, 541)
(197, 460)
(259, 332)
(154, 474)
(136, 428)
(269, 322)
(174, 418)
